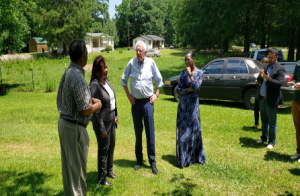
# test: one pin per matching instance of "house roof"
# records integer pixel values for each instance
(97, 34)
(40, 40)
(151, 37)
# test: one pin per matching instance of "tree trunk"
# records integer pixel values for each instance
(225, 45)
(246, 41)
(65, 51)
(298, 45)
(291, 52)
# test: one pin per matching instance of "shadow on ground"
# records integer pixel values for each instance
(275, 156)
(170, 159)
(295, 171)
(250, 143)
(245, 128)
(24, 183)
(185, 187)
(229, 104)
(124, 163)
(93, 187)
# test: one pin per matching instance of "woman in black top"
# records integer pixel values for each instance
(105, 121)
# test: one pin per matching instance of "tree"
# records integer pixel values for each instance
(63, 20)
(13, 25)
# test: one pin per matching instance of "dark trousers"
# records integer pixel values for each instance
(268, 121)
(143, 109)
(296, 118)
(256, 111)
(106, 148)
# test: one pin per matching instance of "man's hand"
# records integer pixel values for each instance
(153, 98)
(265, 76)
(117, 122)
(256, 82)
(97, 103)
(131, 98)
(104, 135)
(297, 86)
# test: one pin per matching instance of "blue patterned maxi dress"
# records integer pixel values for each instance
(189, 146)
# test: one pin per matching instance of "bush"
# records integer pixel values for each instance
(107, 49)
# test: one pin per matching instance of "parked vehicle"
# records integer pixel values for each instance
(253, 45)
(231, 78)
(153, 52)
(259, 54)
(172, 46)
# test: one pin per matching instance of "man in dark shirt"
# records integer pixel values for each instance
(296, 109)
(270, 98)
(75, 105)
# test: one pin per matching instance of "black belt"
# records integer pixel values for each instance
(143, 99)
(75, 122)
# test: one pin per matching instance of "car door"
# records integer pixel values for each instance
(150, 53)
(234, 78)
(210, 88)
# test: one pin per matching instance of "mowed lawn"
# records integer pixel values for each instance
(236, 165)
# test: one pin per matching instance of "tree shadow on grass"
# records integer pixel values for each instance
(93, 187)
(246, 128)
(295, 171)
(170, 99)
(24, 183)
(171, 159)
(250, 143)
(6, 87)
(184, 188)
(275, 156)
(284, 109)
(227, 104)
(125, 163)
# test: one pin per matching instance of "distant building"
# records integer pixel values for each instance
(100, 41)
(151, 41)
(37, 44)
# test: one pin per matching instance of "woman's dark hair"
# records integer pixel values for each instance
(77, 49)
(190, 52)
(99, 62)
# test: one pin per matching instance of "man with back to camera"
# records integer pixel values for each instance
(142, 71)
(270, 98)
(75, 105)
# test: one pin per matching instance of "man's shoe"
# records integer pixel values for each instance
(270, 147)
(296, 156)
(154, 169)
(112, 176)
(137, 167)
(259, 141)
(106, 183)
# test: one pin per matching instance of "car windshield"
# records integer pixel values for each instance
(262, 54)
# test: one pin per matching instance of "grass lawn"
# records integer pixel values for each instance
(236, 165)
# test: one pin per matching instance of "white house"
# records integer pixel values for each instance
(100, 41)
(151, 41)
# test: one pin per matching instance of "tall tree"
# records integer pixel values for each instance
(13, 25)
(63, 20)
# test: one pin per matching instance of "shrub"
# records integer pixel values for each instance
(107, 49)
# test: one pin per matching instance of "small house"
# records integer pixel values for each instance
(151, 41)
(38, 44)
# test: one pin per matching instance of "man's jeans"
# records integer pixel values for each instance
(269, 121)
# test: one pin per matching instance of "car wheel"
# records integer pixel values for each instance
(155, 55)
(249, 98)
(176, 96)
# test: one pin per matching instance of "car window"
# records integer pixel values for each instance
(232, 67)
(243, 67)
(262, 54)
(252, 55)
(213, 68)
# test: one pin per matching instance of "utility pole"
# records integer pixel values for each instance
(128, 36)
(92, 39)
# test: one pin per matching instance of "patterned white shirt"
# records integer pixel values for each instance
(73, 94)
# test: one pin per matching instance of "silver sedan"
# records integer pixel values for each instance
(153, 52)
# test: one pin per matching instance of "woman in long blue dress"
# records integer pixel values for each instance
(189, 146)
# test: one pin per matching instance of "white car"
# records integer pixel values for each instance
(153, 52)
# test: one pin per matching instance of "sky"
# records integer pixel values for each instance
(111, 8)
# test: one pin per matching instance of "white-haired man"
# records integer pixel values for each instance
(142, 71)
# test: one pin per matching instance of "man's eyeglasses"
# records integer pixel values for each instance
(140, 51)
(185, 60)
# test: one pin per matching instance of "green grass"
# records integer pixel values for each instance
(30, 150)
